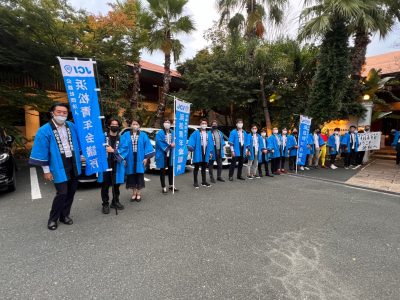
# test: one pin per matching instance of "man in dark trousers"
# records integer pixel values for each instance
(349, 144)
(217, 152)
(56, 149)
(238, 143)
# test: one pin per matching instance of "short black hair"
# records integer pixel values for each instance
(239, 120)
(336, 129)
(203, 120)
(254, 125)
(167, 120)
(53, 107)
(353, 126)
(135, 120)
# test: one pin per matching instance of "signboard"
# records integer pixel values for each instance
(182, 116)
(80, 85)
(369, 141)
(304, 130)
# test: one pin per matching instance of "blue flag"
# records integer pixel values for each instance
(304, 130)
(80, 85)
(182, 116)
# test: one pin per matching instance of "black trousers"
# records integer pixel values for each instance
(350, 158)
(239, 159)
(218, 159)
(262, 163)
(275, 164)
(169, 171)
(398, 154)
(62, 202)
(360, 157)
(292, 162)
(282, 162)
(197, 166)
(105, 187)
(333, 159)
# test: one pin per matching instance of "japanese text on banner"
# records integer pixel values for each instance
(304, 130)
(80, 85)
(182, 116)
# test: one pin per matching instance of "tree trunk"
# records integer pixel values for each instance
(163, 98)
(265, 106)
(358, 59)
(134, 101)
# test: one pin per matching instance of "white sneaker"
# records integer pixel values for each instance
(333, 167)
(346, 168)
(356, 167)
(301, 168)
(307, 168)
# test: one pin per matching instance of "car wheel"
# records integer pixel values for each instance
(13, 186)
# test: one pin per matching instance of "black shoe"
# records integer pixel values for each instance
(250, 177)
(221, 179)
(175, 189)
(206, 184)
(106, 209)
(230, 178)
(51, 225)
(196, 185)
(66, 221)
(164, 190)
(260, 175)
(241, 178)
(270, 175)
(117, 205)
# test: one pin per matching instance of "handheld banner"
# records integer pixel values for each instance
(369, 141)
(182, 115)
(304, 130)
(80, 85)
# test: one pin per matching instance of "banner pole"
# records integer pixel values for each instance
(297, 153)
(173, 152)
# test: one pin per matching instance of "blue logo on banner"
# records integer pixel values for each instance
(304, 131)
(182, 116)
(82, 96)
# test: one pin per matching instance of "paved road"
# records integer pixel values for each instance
(277, 238)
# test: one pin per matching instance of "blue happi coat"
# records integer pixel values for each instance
(345, 142)
(264, 143)
(284, 151)
(234, 142)
(251, 148)
(291, 144)
(332, 144)
(396, 138)
(195, 146)
(144, 150)
(119, 166)
(273, 145)
(45, 152)
(162, 147)
(222, 144)
(310, 144)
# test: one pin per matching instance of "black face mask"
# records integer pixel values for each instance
(114, 128)
(295, 133)
(214, 127)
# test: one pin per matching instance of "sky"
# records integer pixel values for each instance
(204, 13)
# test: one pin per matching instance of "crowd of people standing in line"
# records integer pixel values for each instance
(56, 149)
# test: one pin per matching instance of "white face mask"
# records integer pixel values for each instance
(203, 126)
(60, 119)
(284, 132)
(167, 126)
(263, 134)
(336, 132)
(135, 127)
(275, 131)
(254, 130)
(239, 125)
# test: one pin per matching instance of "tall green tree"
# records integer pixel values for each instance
(165, 21)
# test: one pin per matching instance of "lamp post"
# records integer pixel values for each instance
(367, 118)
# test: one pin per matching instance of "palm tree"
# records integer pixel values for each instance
(165, 20)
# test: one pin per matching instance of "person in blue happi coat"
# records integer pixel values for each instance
(56, 149)
(396, 144)
(263, 156)
(239, 147)
(136, 149)
(217, 152)
(334, 147)
(201, 147)
(349, 144)
(115, 176)
(293, 146)
(284, 151)
(318, 142)
(256, 146)
(310, 152)
(165, 155)
(275, 148)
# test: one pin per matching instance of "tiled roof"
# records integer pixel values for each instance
(389, 63)
(146, 65)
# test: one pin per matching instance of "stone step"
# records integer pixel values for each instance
(384, 156)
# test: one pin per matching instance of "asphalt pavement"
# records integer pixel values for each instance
(285, 237)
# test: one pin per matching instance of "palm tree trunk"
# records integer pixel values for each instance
(265, 106)
(163, 99)
(134, 101)
(358, 59)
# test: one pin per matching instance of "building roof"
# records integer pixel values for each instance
(389, 63)
(146, 65)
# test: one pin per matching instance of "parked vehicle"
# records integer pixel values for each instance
(8, 167)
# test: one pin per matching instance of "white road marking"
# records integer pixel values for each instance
(35, 189)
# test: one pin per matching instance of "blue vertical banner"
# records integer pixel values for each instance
(80, 85)
(182, 116)
(304, 130)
